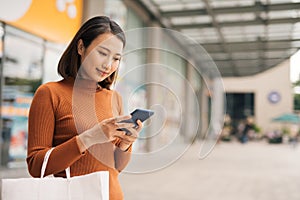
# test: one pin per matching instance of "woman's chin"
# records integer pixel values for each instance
(100, 79)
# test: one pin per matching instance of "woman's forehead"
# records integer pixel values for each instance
(110, 42)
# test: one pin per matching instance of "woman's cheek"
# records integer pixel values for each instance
(114, 68)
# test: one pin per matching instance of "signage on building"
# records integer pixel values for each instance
(54, 20)
(274, 97)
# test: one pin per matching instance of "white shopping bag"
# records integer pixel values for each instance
(86, 187)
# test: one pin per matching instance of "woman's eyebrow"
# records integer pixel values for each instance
(109, 50)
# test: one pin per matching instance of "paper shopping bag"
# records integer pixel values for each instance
(86, 187)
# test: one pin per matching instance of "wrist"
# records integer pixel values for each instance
(83, 142)
(80, 144)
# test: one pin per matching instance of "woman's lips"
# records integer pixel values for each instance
(102, 73)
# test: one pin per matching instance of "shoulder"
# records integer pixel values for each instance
(49, 89)
(51, 86)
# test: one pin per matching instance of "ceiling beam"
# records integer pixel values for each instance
(255, 42)
(220, 34)
(245, 59)
(249, 50)
(257, 21)
(257, 7)
(233, 65)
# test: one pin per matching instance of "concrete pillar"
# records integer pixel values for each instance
(153, 56)
(2, 56)
(192, 118)
(92, 8)
(204, 109)
(217, 108)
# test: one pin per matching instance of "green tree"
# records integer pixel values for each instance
(297, 83)
(296, 101)
(297, 96)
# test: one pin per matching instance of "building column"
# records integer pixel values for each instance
(191, 115)
(204, 108)
(92, 8)
(217, 107)
(153, 56)
(2, 55)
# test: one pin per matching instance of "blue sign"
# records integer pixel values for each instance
(274, 97)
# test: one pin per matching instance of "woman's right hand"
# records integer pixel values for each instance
(105, 131)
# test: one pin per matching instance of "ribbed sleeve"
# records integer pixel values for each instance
(40, 136)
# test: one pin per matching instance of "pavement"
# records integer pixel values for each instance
(232, 171)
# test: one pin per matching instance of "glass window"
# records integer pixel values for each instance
(22, 74)
(131, 82)
(239, 106)
(53, 53)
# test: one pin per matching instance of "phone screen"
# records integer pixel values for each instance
(137, 114)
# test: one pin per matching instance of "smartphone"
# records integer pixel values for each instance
(137, 114)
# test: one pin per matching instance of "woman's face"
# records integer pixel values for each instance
(101, 58)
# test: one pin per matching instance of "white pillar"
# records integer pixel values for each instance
(153, 56)
(92, 8)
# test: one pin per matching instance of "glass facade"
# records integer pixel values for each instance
(240, 106)
(154, 82)
(22, 74)
(28, 61)
(25, 61)
(132, 74)
(53, 52)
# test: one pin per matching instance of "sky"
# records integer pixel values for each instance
(295, 70)
(295, 67)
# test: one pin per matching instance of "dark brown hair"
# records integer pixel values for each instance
(69, 62)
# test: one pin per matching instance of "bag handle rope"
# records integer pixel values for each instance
(45, 162)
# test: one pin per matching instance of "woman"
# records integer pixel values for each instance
(80, 112)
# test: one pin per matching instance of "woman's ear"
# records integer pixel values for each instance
(80, 47)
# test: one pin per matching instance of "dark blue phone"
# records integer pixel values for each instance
(137, 114)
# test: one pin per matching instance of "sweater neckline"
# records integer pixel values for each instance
(84, 84)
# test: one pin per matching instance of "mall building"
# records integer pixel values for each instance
(177, 70)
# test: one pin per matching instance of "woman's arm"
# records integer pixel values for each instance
(41, 127)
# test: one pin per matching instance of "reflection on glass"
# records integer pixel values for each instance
(1, 42)
(22, 73)
(53, 53)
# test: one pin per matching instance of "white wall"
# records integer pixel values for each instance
(275, 79)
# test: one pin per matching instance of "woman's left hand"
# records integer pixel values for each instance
(128, 140)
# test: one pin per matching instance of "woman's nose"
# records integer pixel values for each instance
(107, 64)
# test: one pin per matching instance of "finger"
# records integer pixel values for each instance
(133, 132)
(121, 118)
(128, 139)
(120, 134)
(125, 125)
(126, 136)
(117, 119)
(123, 137)
(140, 125)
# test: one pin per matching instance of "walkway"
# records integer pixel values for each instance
(254, 171)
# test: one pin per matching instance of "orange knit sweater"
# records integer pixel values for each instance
(57, 115)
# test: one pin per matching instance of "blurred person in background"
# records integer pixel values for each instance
(249, 125)
(294, 135)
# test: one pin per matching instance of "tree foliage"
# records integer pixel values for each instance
(297, 96)
(296, 101)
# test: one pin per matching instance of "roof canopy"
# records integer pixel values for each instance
(243, 37)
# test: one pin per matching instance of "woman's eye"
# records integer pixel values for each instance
(116, 59)
(102, 53)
